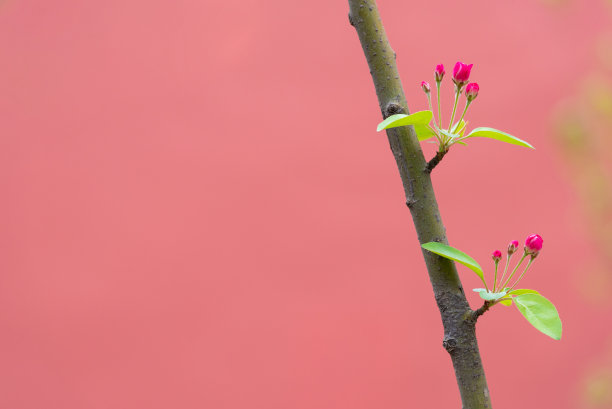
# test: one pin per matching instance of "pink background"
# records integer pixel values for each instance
(197, 211)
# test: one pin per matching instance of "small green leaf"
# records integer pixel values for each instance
(459, 127)
(452, 253)
(479, 290)
(491, 296)
(540, 313)
(522, 291)
(423, 132)
(499, 135)
(506, 302)
(418, 118)
(449, 134)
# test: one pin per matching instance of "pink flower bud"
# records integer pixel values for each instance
(512, 247)
(471, 91)
(426, 87)
(439, 72)
(461, 74)
(533, 245)
(497, 255)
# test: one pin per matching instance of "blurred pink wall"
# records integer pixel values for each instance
(197, 211)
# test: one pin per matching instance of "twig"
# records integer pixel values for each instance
(485, 307)
(435, 160)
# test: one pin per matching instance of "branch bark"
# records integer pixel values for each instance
(458, 319)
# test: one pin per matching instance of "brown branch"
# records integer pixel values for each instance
(435, 160)
(457, 316)
(485, 307)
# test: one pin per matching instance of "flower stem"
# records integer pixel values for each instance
(514, 271)
(467, 105)
(495, 279)
(457, 93)
(435, 133)
(439, 106)
(501, 280)
(524, 271)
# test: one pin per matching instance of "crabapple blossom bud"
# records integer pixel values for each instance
(533, 245)
(461, 74)
(471, 91)
(512, 247)
(439, 72)
(497, 256)
(426, 87)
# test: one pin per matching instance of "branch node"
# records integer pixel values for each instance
(351, 22)
(392, 109)
(410, 203)
(435, 160)
(449, 344)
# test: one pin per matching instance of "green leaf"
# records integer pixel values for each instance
(460, 125)
(522, 291)
(507, 302)
(499, 135)
(540, 313)
(449, 134)
(452, 253)
(491, 296)
(394, 121)
(423, 132)
(479, 290)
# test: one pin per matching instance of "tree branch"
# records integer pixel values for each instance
(457, 316)
(485, 307)
(435, 160)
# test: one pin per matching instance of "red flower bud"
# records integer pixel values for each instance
(533, 245)
(471, 91)
(497, 255)
(439, 72)
(512, 247)
(461, 74)
(426, 87)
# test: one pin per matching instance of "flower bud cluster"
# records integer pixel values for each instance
(533, 246)
(461, 76)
